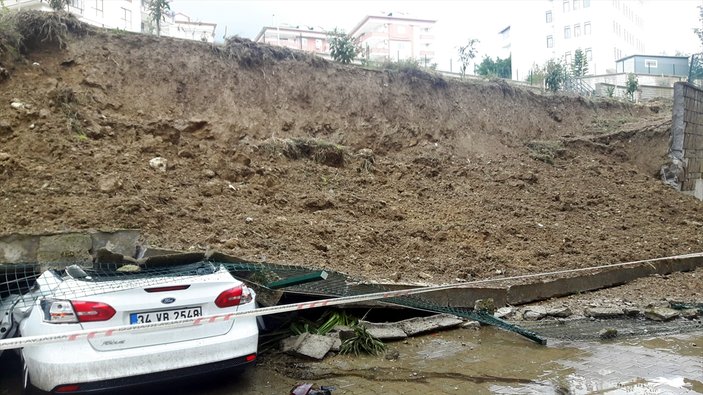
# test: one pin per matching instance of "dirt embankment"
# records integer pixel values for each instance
(411, 176)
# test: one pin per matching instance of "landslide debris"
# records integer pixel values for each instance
(388, 175)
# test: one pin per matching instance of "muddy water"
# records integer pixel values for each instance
(466, 361)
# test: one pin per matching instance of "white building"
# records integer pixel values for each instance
(396, 38)
(112, 14)
(605, 30)
(179, 25)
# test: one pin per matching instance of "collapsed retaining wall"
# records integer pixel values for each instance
(686, 144)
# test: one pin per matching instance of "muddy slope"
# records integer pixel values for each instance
(454, 186)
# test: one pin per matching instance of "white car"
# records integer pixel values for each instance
(73, 303)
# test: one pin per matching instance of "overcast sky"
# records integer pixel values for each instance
(669, 23)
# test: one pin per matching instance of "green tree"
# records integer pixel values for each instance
(696, 72)
(579, 67)
(554, 75)
(535, 75)
(158, 9)
(498, 68)
(343, 47)
(699, 31)
(466, 54)
(631, 86)
(58, 5)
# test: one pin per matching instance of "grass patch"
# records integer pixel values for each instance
(362, 343)
(546, 151)
(320, 151)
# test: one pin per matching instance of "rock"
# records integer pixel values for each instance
(384, 331)
(504, 312)
(249, 220)
(109, 183)
(308, 345)
(661, 314)
(690, 313)
(241, 159)
(392, 355)
(185, 154)
(560, 312)
(4, 156)
(485, 305)
(4, 74)
(209, 173)
(425, 276)
(534, 313)
(5, 128)
(337, 341)
(17, 105)
(603, 312)
(211, 188)
(103, 255)
(129, 269)
(159, 163)
(414, 326)
(608, 333)
(471, 325)
(631, 311)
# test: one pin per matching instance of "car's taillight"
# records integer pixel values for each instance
(233, 297)
(92, 311)
(71, 312)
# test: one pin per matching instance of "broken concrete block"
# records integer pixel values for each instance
(690, 313)
(505, 312)
(534, 313)
(471, 325)
(308, 345)
(603, 312)
(382, 331)
(123, 241)
(18, 248)
(661, 314)
(414, 326)
(631, 311)
(559, 312)
(61, 250)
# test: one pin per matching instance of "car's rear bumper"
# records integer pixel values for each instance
(153, 378)
(73, 362)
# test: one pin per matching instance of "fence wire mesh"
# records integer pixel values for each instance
(23, 284)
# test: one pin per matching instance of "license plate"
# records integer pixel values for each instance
(165, 315)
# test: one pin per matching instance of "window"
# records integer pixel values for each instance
(567, 31)
(550, 42)
(589, 54)
(318, 44)
(577, 4)
(650, 63)
(548, 16)
(586, 3)
(99, 8)
(587, 29)
(77, 4)
(577, 30)
(566, 5)
(304, 42)
(400, 29)
(567, 57)
(126, 18)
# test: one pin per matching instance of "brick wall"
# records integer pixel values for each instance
(687, 136)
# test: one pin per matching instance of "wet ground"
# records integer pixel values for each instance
(467, 361)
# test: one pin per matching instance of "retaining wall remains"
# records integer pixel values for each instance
(686, 144)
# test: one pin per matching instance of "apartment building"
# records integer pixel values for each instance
(112, 14)
(180, 25)
(395, 38)
(303, 38)
(605, 30)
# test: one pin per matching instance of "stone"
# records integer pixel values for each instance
(122, 241)
(392, 355)
(308, 345)
(661, 314)
(631, 311)
(17, 105)
(211, 188)
(159, 163)
(485, 305)
(690, 313)
(417, 325)
(608, 333)
(471, 325)
(4, 156)
(109, 183)
(209, 173)
(44, 113)
(505, 312)
(425, 276)
(249, 220)
(534, 313)
(603, 312)
(560, 312)
(384, 331)
(129, 269)
(5, 128)
(61, 250)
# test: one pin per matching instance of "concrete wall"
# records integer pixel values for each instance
(58, 250)
(687, 136)
(644, 92)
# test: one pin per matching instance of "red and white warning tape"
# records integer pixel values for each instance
(89, 334)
